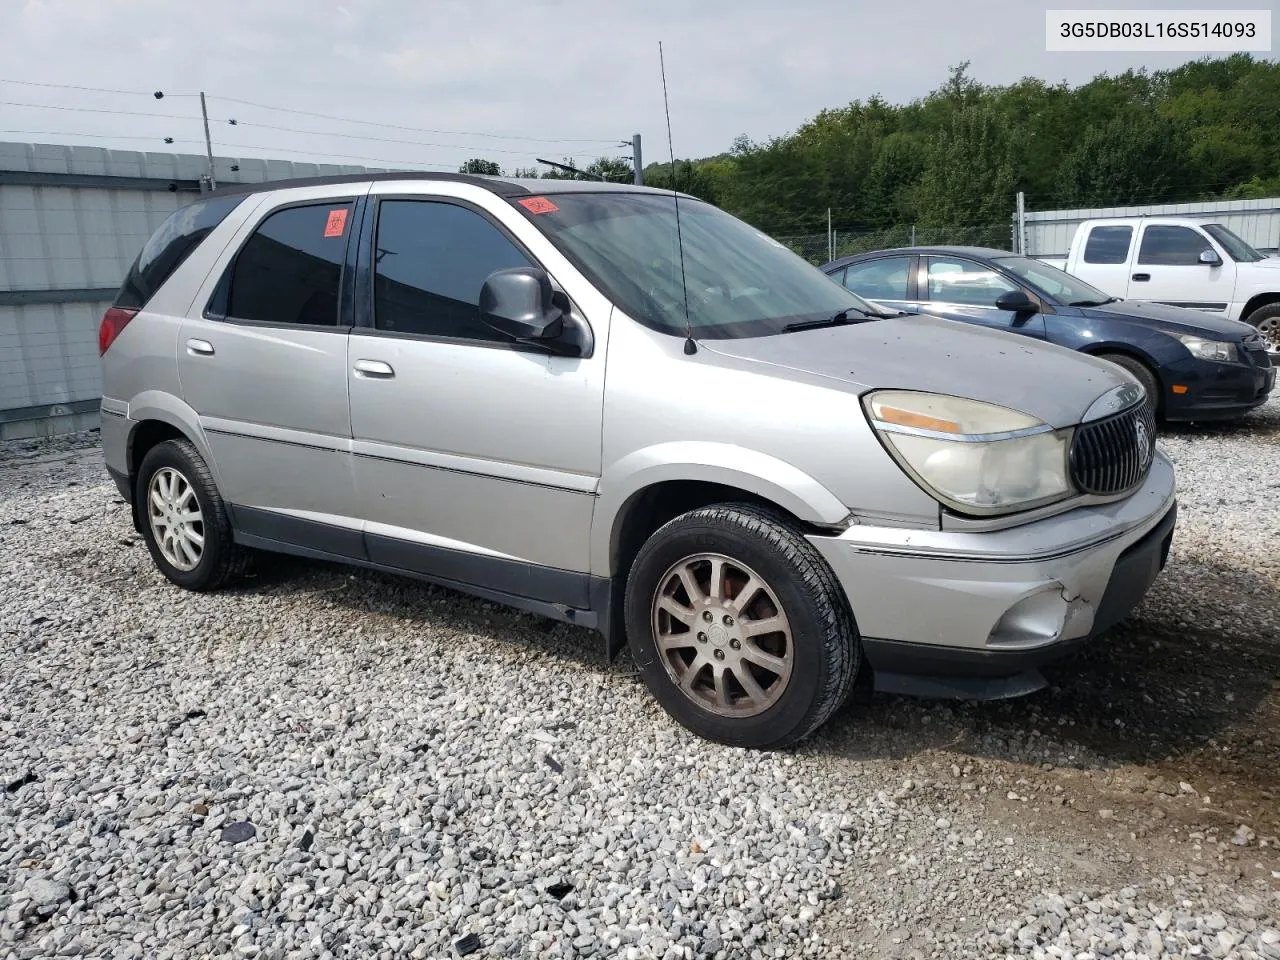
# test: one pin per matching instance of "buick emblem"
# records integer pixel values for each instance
(1143, 438)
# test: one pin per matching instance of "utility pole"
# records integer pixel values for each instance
(636, 163)
(831, 242)
(208, 142)
(1021, 247)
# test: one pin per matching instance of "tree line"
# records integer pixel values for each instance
(956, 157)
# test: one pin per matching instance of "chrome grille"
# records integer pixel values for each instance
(1114, 454)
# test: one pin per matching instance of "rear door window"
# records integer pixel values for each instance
(290, 270)
(1108, 245)
(1172, 246)
(172, 243)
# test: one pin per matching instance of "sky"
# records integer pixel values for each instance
(505, 81)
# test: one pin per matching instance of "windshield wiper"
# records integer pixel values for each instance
(1092, 303)
(835, 320)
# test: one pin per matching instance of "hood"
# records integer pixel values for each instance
(1271, 262)
(1168, 319)
(926, 353)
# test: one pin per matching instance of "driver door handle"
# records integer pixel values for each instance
(374, 370)
(1142, 277)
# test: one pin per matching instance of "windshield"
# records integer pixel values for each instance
(1236, 248)
(740, 283)
(1054, 283)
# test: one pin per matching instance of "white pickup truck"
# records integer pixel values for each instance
(1182, 262)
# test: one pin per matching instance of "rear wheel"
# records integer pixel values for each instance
(1267, 320)
(184, 519)
(1144, 374)
(739, 627)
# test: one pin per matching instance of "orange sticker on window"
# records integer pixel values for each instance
(337, 223)
(539, 205)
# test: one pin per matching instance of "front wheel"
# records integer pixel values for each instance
(1143, 374)
(739, 627)
(1267, 320)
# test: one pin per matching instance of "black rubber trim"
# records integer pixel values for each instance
(582, 618)
(512, 577)
(121, 480)
(327, 539)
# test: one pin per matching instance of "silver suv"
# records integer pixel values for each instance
(641, 415)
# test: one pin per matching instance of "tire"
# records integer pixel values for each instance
(1267, 321)
(1144, 374)
(175, 472)
(812, 659)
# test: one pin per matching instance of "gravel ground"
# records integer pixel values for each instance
(332, 763)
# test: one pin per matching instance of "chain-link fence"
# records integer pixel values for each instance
(820, 247)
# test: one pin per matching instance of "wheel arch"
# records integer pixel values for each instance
(156, 418)
(1257, 302)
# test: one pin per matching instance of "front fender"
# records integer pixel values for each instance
(694, 460)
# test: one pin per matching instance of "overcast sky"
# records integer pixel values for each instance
(527, 69)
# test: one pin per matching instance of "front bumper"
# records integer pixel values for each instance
(968, 614)
(1216, 391)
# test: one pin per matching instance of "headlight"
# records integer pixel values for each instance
(975, 457)
(1209, 349)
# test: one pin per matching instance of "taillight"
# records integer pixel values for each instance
(113, 322)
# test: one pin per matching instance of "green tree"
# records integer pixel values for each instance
(1132, 158)
(485, 167)
(968, 184)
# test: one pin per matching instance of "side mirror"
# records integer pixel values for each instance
(1210, 256)
(519, 303)
(1017, 302)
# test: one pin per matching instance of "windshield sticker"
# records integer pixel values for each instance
(538, 205)
(336, 225)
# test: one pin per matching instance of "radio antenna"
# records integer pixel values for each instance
(690, 347)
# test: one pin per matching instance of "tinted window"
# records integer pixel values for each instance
(1237, 249)
(884, 279)
(291, 268)
(1172, 246)
(432, 259)
(1108, 245)
(965, 282)
(172, 243)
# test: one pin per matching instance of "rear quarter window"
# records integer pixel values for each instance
(172, 243)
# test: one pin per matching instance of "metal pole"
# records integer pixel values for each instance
(913, 235)
(1021, 248)
(831, 246)
(636, 162)
(208, 142)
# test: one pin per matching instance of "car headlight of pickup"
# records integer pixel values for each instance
(1203, 349)
(975, 457)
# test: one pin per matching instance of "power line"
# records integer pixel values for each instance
(68, 86)
(118, 113)
(396, 126)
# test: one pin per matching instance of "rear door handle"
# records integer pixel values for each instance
(201, 348)
(1142, 277)
(374, 369)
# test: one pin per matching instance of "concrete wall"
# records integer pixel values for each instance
(1049, 232)
(72, 219)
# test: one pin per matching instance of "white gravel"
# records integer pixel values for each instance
(325, 763)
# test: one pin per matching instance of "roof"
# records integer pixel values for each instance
(502, 186)
(988, 252)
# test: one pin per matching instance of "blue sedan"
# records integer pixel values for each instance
(1196, 366)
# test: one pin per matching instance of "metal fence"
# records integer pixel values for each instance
(72, 219)
(1257, 222)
